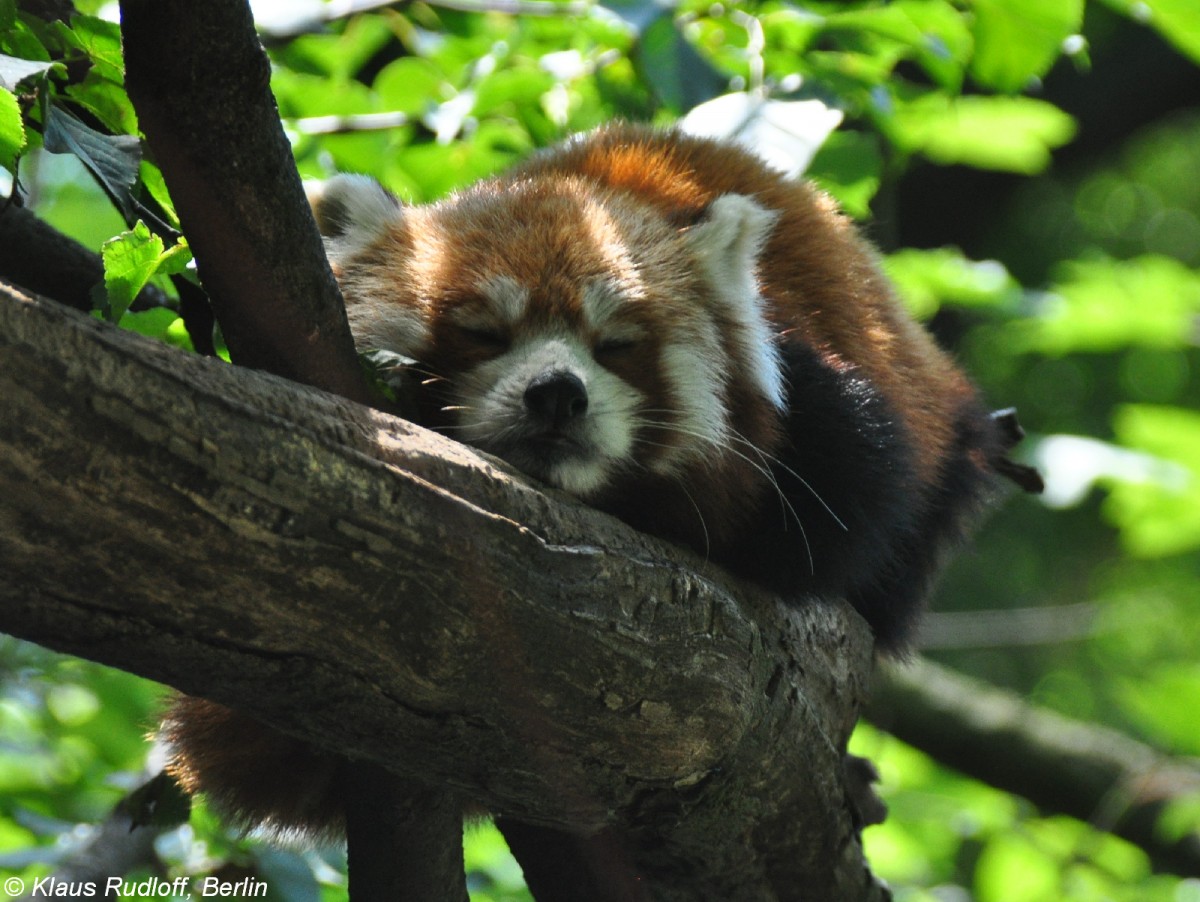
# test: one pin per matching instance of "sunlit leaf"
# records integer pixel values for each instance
(1014, 134)
(1103, 305)
(156, 187)
(1177, 20)
(160, 323)
(484, 851)
(1159, 516)
(1181, 818)
(928, 279)
(511, 91)
(787, 134)
(131, 260)
(1164, 701)
(1011, 866)
(100, 39)
(1017, 41)
(410, 85)
(12, 131)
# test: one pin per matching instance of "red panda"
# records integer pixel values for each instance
(669, 330)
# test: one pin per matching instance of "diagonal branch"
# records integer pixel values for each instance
(1084, 770)
(199, 80)
(388, 594)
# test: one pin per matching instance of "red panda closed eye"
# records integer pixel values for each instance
(666, 328)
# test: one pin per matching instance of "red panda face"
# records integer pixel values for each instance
(544, 392)
(574, 333)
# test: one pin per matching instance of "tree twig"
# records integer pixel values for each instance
(1084, 770)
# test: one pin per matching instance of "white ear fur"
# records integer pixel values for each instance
(729, 239)
(727, 245)
(352, 208)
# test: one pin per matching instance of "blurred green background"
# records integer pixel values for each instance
(1031, 169)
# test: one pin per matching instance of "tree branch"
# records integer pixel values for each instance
(199, 80)
(1089, 772)
(44, 261)
(390, 595)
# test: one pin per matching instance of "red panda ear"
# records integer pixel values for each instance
(727, 244)
(728, 239)
(352, 207)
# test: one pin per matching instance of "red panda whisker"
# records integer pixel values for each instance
(686, 494)
(804, 482)
(786, 506)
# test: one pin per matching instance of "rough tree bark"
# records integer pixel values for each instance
(392, 596)
(199, 81)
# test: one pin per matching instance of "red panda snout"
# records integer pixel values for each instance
(547, 407)
(555, 398)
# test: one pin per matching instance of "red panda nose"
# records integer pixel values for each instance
(556, 397)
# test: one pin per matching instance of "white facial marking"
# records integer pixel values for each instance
(382, 325)
(507, 297)
(601, 299)
(493, 415)
(728, 244)
(695, 376)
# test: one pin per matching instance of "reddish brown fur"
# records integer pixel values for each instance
(827, 285)
(823, 291)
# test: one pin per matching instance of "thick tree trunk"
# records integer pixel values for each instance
(390, 595)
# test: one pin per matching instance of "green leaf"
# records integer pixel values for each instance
(1176, 20)
(672, 68)
(1164, 702)
(849, 166)
(928, 279)
(1105, 305)
(152, 181)
(511, 89)
(1180, 819)
(112, 159)
(1159, 514)
(160, 323)
(1011, 134)
(101, 41)
(1012, 866)
(410, 85)
(131, 260)
(12, 130)
(1017, 41)
(946, 41)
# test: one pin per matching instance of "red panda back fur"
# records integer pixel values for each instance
(650, 282)
(821, 278)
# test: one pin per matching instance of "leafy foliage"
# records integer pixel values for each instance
(1083, 313)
